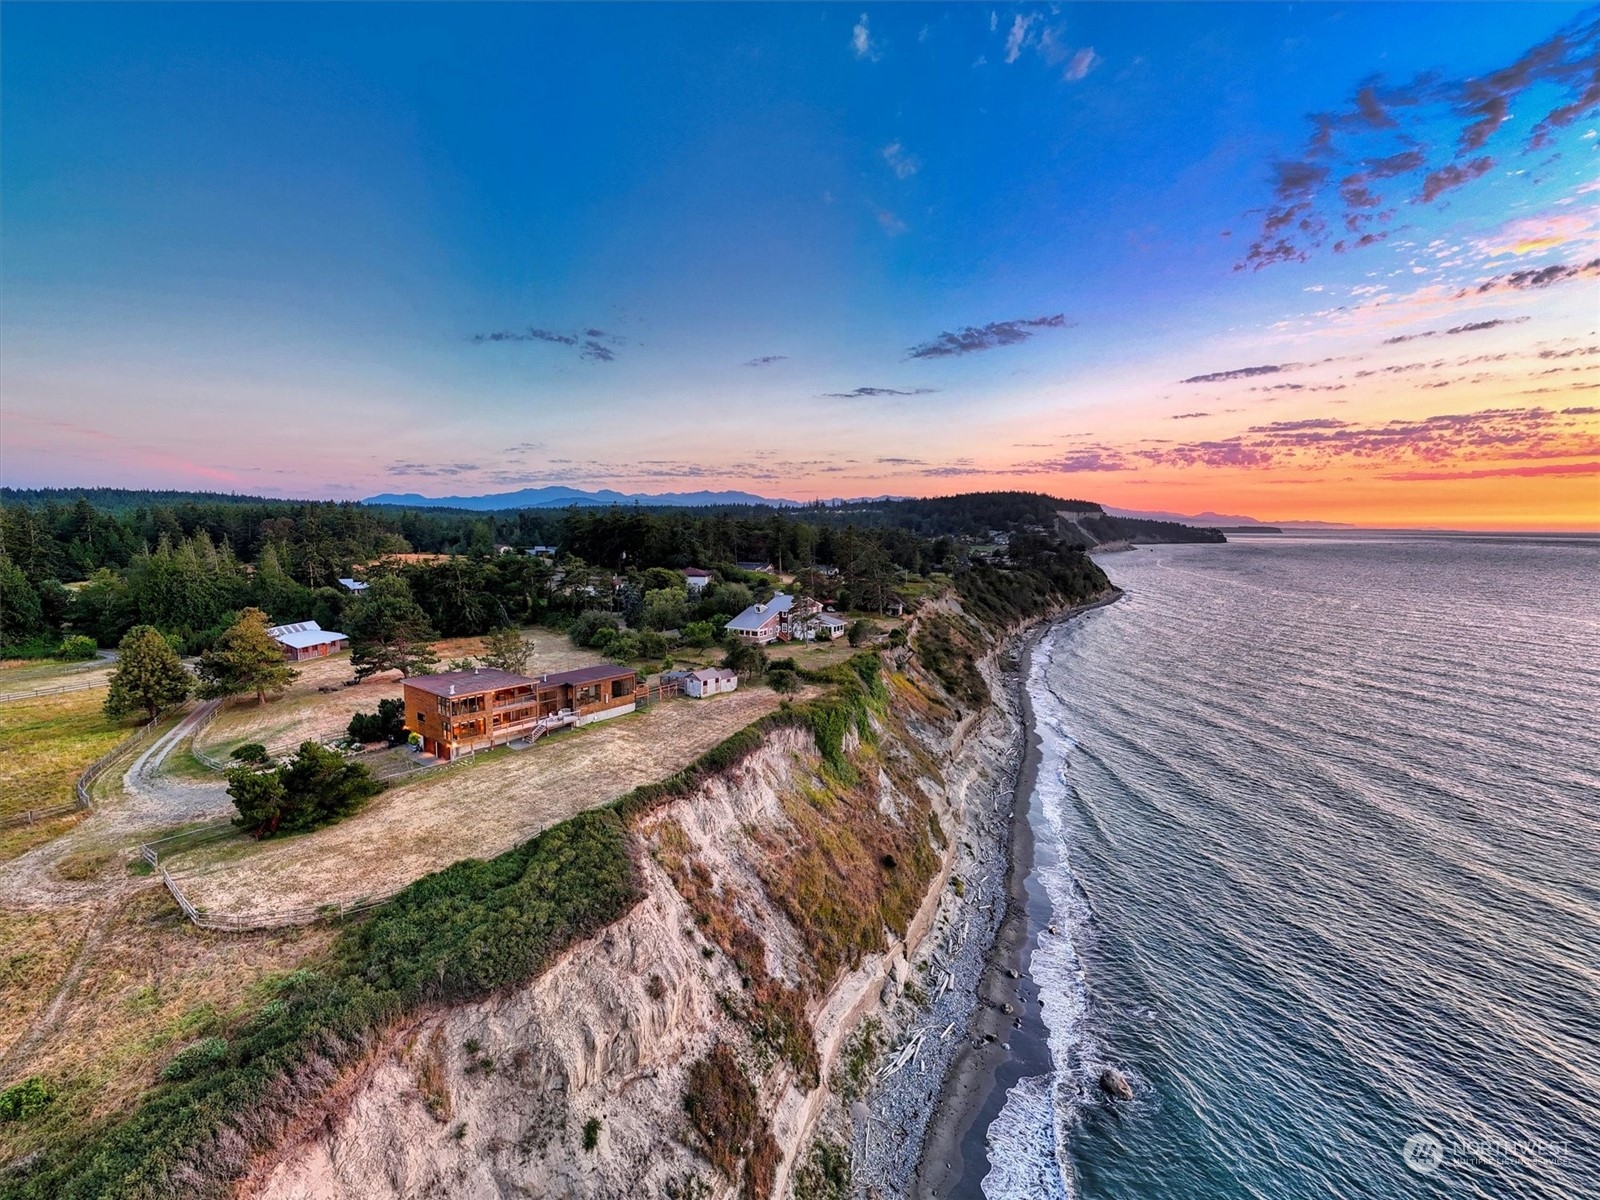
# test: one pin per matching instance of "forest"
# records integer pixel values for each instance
(96, 563)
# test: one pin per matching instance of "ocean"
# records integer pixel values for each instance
(1318, 830)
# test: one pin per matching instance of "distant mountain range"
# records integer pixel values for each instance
(561, 497)
(1216, 520)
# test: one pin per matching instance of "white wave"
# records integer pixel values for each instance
(1024, 1156)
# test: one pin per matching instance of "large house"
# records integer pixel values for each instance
(761, 623)
(307, 639)
(461, 712)
(784, 618)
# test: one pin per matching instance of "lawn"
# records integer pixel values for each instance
(46, 742)
(153, 984)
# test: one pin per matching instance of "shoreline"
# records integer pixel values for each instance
(1000, 1047)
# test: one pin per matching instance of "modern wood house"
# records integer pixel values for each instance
(462, 712)
(307, 639)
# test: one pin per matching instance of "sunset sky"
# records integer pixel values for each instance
(1313, 261)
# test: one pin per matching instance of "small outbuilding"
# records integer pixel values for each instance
(354, 586)
(696, 578)
(307, 639)
(710, 681)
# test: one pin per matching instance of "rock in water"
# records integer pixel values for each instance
(1115, 1084)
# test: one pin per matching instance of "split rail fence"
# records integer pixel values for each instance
(83, 788)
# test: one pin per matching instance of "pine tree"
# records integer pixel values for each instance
(245, 659)
(388, 630)
(506, 650)
(148, 675)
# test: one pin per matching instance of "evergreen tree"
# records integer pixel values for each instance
(388, 630)
(506, 650)
(148, 675)
(245, 659)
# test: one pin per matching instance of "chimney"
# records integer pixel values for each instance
(452, 689)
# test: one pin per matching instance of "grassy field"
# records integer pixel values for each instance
(153, 985)
(46, 742)
(21, 675)
(473, 810)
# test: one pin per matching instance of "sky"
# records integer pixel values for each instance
(1312, 261)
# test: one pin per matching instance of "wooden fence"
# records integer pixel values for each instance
(82, 798)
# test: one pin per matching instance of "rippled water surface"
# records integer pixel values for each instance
(1327, 814)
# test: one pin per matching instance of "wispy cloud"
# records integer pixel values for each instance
(1019, 36)
(975, 338)
(766, 360)
(1470, 327)
(861, 41)
(862, 392)
(1082, 63)
(902, 164)
(1384, 146)
(891, 224)
(588, 342)
(1242, 373)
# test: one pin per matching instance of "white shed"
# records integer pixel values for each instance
(709, 681)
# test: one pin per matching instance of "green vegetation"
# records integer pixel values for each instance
(148, 675)
(591, 1133)
(389, 631)
(860, 1052)
(825, 1175)
(23, 1100)
(316, 787)
(245, 659)
(388, 724)
(451, 936)
(192, 1060)
(76, 648)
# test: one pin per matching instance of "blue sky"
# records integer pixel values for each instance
(226, 225)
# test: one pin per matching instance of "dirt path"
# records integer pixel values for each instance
(44, 1024)
(147, 803)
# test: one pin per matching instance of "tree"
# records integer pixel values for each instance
(387, 724)
(76, 648)
(259, 797)
(388, 630)
(148, 675)
(666, 608)
(747, 659)
(699, 634)
(314, 788)
(506, 650)
(245, 659)
(860, 632)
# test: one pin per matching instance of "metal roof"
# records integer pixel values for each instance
(297, 627)
(353, 585)
(696, 573)
(758, 615)
(714, 674)
(303, 638)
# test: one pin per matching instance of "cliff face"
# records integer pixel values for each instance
(782, 902)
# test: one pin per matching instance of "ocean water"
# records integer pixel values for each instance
(1319, 824)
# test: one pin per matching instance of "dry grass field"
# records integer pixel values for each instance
(21, 675)
(473, 810)
(152, 984)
